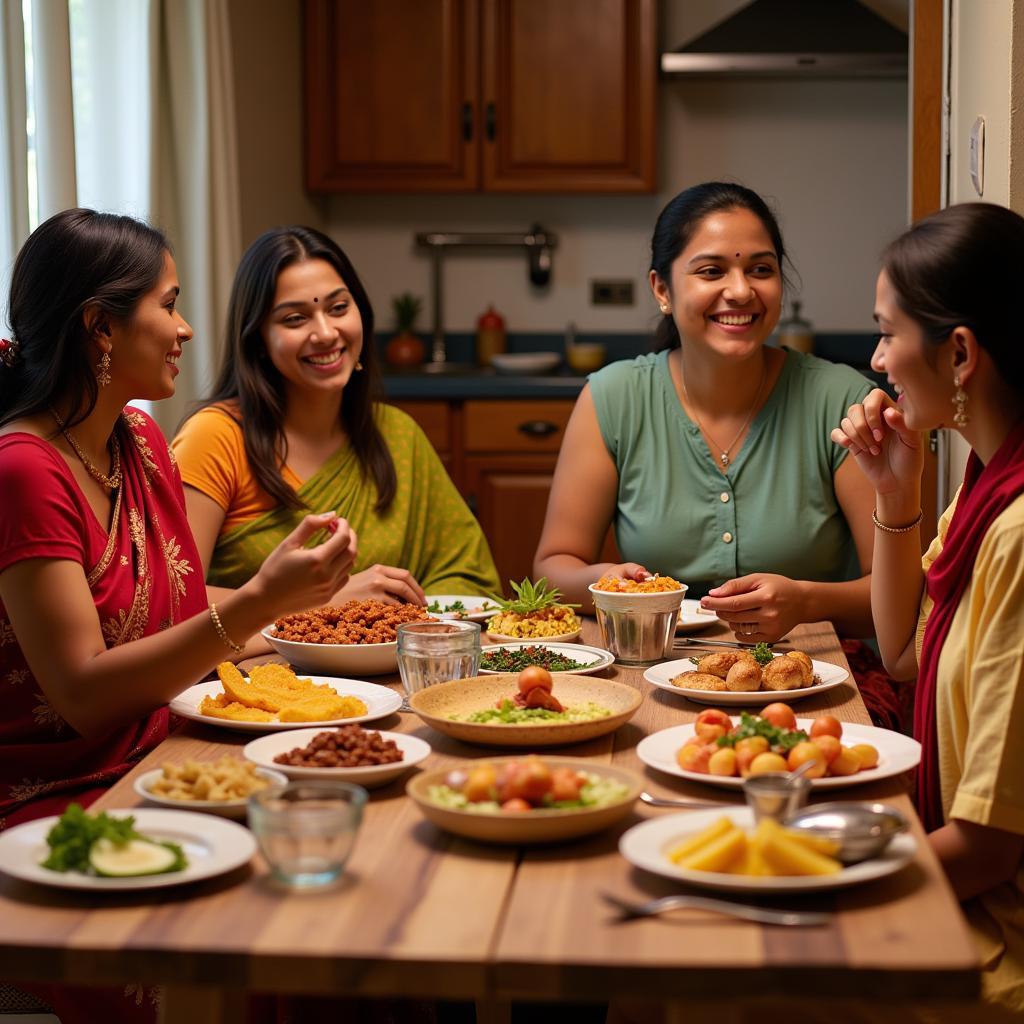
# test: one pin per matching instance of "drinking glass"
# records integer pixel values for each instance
(306, 830)
(436, 652)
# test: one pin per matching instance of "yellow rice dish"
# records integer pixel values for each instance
(273, 693)
(548, 622)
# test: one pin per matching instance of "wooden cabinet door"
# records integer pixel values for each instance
(569, 93)
(391, 95)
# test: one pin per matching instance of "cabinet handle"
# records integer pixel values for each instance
(467, 122)
(538, 428)
(490, 122)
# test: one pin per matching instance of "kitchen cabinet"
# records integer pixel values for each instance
(501, 455)
(480, 95)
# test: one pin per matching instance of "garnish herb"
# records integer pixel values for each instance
(752, 725)
(531, 597)
(518, 658)
(762, 653)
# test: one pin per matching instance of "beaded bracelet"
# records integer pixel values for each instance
(895, 529)
(222, 632)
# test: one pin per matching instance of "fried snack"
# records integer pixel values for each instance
(228, 778)
(699, 681)
(354, 622)
(783, 674)
(744, 676)
(274, 693)
(719, 663)
(652, 585)
(805, 661)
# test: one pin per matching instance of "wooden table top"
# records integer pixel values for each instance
(424, 913)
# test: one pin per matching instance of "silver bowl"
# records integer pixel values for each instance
(863, 830)
(776, 795)
(637, 627)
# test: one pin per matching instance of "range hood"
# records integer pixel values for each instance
(794, 39)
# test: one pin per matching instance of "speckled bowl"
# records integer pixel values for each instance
(437, 703)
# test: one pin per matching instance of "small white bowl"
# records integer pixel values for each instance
(266, 748)
(336, 659)
(525, 362)
(223, 808)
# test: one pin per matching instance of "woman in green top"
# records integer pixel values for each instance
(294, 424)
(710, 456)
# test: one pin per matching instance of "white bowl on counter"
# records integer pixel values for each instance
(525, 362)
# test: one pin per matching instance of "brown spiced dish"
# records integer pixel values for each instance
(354, 622)
(350, 746)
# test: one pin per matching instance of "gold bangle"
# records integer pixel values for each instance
(895, 529)
(222, 632)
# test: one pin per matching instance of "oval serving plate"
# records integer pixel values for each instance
(592, 658)
(661, 676)
(648, 845)
(545, 825)
(896, 753)
(460, 697)
(477, 609)
(266, 748)
(380, 702)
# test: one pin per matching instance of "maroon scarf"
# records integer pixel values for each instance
(987, 491)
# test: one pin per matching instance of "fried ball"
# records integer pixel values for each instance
(719, 663)
(783, 674)
(698, 681)
(805, 661)
(744, 676)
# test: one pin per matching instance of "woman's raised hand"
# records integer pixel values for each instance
(876, 434)
(295, 577)
(386, 583)
(760, 607)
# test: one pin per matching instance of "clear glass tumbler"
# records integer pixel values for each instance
(436, 652)
(306, 830)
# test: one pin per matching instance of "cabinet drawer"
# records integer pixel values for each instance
(515, 426)
(434, 419)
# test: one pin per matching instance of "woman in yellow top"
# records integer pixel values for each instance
(952, 348)
(294, 425)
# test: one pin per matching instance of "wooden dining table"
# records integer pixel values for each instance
(422, 913)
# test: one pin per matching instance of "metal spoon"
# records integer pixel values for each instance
(762, 915)
(657, 801)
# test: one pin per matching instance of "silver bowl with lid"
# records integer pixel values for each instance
(863, 830)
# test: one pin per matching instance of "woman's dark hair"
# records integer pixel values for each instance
(678, 223)
(76, 259)
(247, 375)
(955, 269)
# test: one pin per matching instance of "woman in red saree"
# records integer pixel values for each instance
(952, 347)
(104, 616)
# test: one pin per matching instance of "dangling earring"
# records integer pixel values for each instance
(359, 365)
(103, 370)
(960, 417)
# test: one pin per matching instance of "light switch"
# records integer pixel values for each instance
(978, 156)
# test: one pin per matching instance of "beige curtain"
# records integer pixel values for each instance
(13, 147)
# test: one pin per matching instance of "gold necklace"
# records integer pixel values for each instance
(724, 457)
(114, 480)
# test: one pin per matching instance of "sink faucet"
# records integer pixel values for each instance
(537, 242)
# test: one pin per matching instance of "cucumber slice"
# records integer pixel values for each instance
(136, 857)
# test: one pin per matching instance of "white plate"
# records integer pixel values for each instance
(336, 659)
(212, 845)
(525, 362)
(264, 750)
(224, 808)
(661, 676)
(691, 619)
(896, 754)
(594, 658)
(475, 607)
(380, 702)
(647, 846)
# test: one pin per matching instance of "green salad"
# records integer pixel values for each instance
(510, 714)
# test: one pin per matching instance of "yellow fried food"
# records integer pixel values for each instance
(232, 711)
(783, 674)
(719, 662)
(698, 681)
(322, 708)
(805, 662)
(228, 778)
(744, 676)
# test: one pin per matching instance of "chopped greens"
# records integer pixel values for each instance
(752, 725)
(455, 606)
(762, 653)
(517, 658)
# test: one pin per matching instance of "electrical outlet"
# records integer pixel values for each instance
(611, 293)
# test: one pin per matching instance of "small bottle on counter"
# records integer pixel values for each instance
(795, 332)
(490, 336)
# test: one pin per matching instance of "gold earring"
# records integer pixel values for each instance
(664, 307)
(103, 370)
(960, 417)
(359, 365)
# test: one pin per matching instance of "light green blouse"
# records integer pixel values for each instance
(775, 510)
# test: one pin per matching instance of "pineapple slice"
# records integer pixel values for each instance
(784, 856)
(701, 839)
(720, 854)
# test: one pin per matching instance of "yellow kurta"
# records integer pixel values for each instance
(980, 718)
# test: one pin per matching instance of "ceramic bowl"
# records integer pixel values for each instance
(436, 704)
(336, 659)
(539, 826)
(585, 357)
(223, 808)
(525, 362)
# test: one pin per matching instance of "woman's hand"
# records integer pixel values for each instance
(628, 571)
(386, 583)
(294, 577)
(759, 607)
(876, 434)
